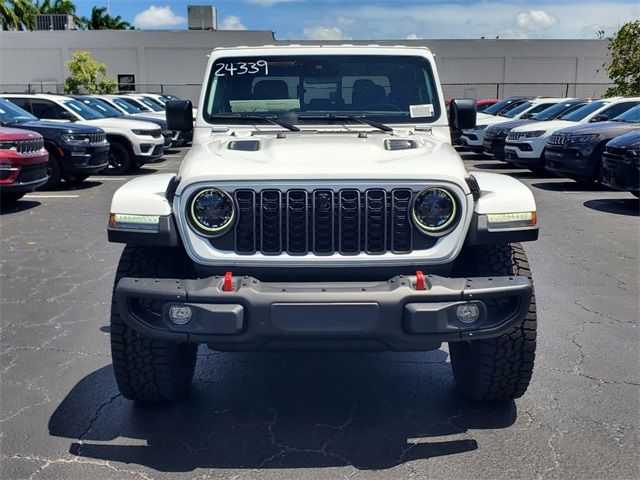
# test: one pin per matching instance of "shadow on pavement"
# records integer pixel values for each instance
(7, 207)
(570, 186)
(72, 186)
(627, 206)
(283, 410)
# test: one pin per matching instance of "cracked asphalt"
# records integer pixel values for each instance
(321, 415)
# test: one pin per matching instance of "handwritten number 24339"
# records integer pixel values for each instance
(241, 68)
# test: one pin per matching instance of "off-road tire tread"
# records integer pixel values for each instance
(149, 370)
(497, 369)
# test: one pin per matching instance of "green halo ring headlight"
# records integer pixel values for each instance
(434, 210)
(212, 211)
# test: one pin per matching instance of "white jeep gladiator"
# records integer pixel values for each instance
(322, 206)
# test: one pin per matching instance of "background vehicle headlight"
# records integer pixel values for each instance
(75, 138)
(534, 134)
(212, 211)
(434, 210)
(144, 133)
(584, 138)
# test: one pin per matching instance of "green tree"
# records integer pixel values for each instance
(101, 20)
(88, 75)
(623, 66)
(17, 15)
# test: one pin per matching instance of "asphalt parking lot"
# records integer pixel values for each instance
(322, 415)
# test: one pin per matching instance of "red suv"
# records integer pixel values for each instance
(23, 162)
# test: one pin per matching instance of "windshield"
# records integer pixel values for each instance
(87, 113)
(512, 113)
(126, 106)
(158, 101)
(396, 89)
(582, 112)
(555, 111)
(497, 107)
(630, 116)
(153, 105)
(10, 113)
(102, 107)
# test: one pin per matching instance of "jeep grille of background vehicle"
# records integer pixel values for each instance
(29, 146)
(515, 135)
(97, 137)
(325, 221)
(559, 140)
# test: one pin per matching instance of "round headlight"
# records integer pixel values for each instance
(212, 211)
(434, 210)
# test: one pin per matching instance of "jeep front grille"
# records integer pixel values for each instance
(29, 146)
(559, 140)
(325, 221)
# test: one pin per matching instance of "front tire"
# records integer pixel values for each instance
(54, 171)
(120, 159)
(149, 370)
(496, 369)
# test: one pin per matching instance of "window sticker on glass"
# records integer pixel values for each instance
(241, 68)
(281, 105)
(425, 110)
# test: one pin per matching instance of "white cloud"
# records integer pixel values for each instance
(412, 36)
(158, 17)
(267, 3)
(342, 20)
(324, 33)
(535, 20)
(231, 22)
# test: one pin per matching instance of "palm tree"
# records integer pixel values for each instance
(17, 15)
(101, 20)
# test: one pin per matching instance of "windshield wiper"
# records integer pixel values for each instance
(355, 118)
(244, 116)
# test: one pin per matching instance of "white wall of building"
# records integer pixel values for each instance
(176, 59)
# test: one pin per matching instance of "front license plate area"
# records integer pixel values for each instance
(325, 317)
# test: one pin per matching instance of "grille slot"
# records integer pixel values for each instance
(324, 222)
(29, 146)
(559, 140)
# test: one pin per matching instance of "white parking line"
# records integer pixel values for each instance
(35, 195)
(112, 179)
(171, 156)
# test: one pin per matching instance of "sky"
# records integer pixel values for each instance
(388, 19)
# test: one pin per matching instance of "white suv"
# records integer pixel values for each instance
(322, 206)
(473, 138)
(132, 142)
(525, 145)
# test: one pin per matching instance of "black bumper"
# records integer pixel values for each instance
(29, 178)
(85, 160)
(374, 315)
(621, 172)
(571, 163)
(493, 146)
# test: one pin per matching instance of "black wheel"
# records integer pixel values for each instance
(497, 369)
(75, 178)
(53, 171)
(149, 370)
(120, 160)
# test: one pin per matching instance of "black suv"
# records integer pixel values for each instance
(75, 151)
(576, 152)
(621, 163)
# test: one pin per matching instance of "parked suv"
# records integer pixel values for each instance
(322, 206)
(576, 152)
(495, 135)
(473, 139)
(23, 163)
(75, 151)
(527, 143)
(132, 142)
(621, 163)
(108, 111)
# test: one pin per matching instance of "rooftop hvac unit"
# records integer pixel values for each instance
(54, 22)
(202, 17)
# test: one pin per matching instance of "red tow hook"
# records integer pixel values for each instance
(227, 284)
(420, 281)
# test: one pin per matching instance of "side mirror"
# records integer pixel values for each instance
(64, 115)
(462, 113)
(599, 118)
(179, 115)
(526, 115)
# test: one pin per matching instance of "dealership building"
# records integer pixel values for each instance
(173, 61)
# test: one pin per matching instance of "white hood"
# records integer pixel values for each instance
(322, 156)
(121, 124)
(491, 120)
(159, 115)
(548, 127)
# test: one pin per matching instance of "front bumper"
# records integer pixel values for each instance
(149, 153)
(23, 178)
(493, 146)
(621, 172)
(471, 142)
(255, 315)
(85, 160)
(571, 162)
